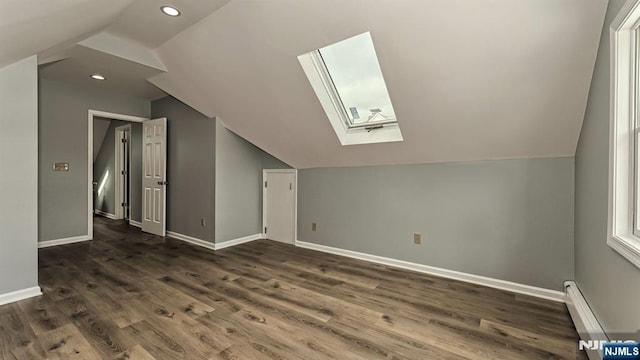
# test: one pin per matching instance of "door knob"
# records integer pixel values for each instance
(163, 183)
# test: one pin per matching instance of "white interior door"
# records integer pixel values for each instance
(154, 176)
(279, 205)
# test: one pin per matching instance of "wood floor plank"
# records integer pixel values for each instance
(164, 315)
(526, 337)
(162, 345)
(301, 343)
(67, 342)
(183, 302)
(130, 295)
(42, 314)
(16, 335)
(104, 300)
(104, 336)
(242, 331)
(135, 353)
(54, 280)
(184, 283)
(355, 280)
(27, 353)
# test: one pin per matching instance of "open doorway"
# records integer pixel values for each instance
(115, 167)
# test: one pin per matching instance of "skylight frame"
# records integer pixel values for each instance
(330, 87)
(367, 133)
(339, 61)
(322, 68)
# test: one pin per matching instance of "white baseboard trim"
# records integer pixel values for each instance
(191, 240)
(105, 214)
(20, 295)
(242, 240)
(553, 295)
(69, 240)
(135, 223)
(213, 246)
(585, 322)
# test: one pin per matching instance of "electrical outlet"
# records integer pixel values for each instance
(314, 226)
(203, 222)
(417, 238)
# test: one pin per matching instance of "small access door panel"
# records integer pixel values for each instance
(279, 205)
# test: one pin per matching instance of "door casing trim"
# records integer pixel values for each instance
(91, 115)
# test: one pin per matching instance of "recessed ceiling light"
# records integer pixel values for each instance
(97, 77)
(170, 10)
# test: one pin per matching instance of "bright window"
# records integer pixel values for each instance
(353, 67)
(624, 220)
(348, 81)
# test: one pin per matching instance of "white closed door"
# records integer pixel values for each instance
(279, 205)
(154, 176)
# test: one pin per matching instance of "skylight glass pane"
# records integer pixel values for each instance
(354, 69)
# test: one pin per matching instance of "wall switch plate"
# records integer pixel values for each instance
(61, 166)
(314, 226)
(417, 238)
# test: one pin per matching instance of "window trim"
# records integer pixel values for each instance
(625, 59)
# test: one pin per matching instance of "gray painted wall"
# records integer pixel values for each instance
(104, 170)
(18, 182)
(190, 168)
(238, 185)
(63, 131)
(105, 161)
(270, 162)
(610, 283)
(507, 219)
(100, 127)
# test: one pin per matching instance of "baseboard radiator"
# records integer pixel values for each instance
(585, 322)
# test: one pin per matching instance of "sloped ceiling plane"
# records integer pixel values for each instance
(469, 80)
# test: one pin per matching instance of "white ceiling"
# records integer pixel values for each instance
(122, 50)
(469, 80)
(144, 22)
(28, 27)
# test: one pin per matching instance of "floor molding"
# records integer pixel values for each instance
(213, 246)
(191, 240)
(585, 322)
(69, 240)
(105, 214)
(20, 295)
(135, 223)
(234, 242)
(538, 292)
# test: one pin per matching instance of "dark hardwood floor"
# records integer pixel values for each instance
(130, 295)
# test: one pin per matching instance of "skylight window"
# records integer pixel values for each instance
(353, 67)
(347, 79)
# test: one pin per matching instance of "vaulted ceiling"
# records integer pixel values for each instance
(30, 27)
(469, 80)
